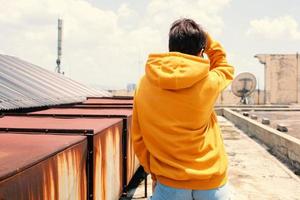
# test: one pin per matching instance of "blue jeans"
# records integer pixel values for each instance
(163, 192)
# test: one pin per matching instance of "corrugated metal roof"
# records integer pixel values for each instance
(24, 85)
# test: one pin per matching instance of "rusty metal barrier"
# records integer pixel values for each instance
(113, 97)
(42, 167)
(99, 106)
(108, 101)
(104, 144)
(130, 161)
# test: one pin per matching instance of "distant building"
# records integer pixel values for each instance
(131, 87)
(282, 78)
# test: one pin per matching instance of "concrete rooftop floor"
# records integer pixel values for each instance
(254, 174)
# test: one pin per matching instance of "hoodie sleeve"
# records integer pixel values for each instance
(137, 140)
(220, 71)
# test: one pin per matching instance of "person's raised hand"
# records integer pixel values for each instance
(208, 42)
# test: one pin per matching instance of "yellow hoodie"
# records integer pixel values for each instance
(174, 129)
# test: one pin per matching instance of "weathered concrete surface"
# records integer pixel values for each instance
(253, 172)
(228, 98)
(280, 144)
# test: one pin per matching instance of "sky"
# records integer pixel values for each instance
(106, 42)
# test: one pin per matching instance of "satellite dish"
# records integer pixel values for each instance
(243, 86)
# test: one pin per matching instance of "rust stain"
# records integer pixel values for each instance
(72, 174)
(60, 177)
(132, 160)
(50, 191)
(63, 176)
(108, 163)
(98, 169)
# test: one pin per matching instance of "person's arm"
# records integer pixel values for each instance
(221, 72)
(137, 140)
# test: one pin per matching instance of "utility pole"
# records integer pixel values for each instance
(59, 40)
(258, 92)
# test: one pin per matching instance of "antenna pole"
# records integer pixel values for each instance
(258, 92)
(59, 40)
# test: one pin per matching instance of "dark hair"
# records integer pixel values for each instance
(186, 36)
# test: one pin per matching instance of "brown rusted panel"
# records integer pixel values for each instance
(88, 111)
(97, 125)
(132, 160)
(109, 101)
(108, 177)
(111, 97)
(103, 106)
(107, 136)
(42, 167)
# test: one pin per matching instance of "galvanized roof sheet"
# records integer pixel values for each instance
(25, 85)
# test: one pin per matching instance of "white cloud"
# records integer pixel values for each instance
(105, 47)
(284, 27)
(205, 12)
(125, 11)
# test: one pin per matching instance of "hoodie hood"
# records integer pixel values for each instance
(176, 70)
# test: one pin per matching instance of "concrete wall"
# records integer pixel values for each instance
(225, 98)
(282, 145)
(282, 78)
(228, 98)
